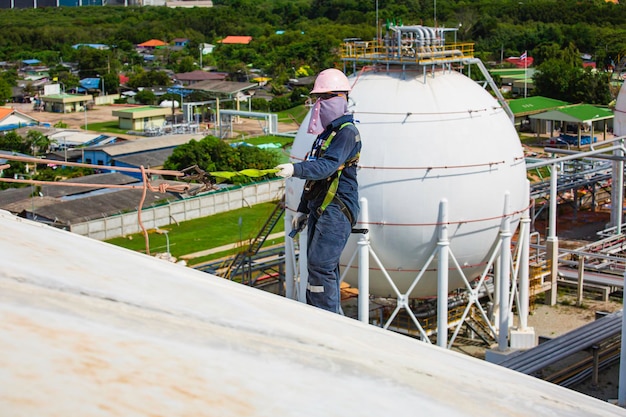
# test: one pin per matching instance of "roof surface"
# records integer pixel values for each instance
(244, 40)
(58, 190)
(146, 144)
(222, 87)
(100, 205)
(530, 105)
(152, 43)
(148, 159)
(92, 329)
(200, 75)
(582, 113)
(6, 112)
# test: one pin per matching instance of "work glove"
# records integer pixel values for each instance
(285, 170)
(298, 223)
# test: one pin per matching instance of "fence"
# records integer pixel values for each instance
(182, 210)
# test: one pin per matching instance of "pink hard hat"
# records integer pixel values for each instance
(331, 80)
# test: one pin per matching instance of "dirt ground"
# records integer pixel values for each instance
(74, 120)
(242, 127)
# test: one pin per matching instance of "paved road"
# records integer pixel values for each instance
(224, 248)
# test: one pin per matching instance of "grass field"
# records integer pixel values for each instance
(205, 233)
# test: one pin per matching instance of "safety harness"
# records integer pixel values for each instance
(333, 181)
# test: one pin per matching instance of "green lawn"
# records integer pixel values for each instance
(107, 127)
(298, 113)
(205, 233)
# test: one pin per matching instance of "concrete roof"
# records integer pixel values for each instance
(142, 112)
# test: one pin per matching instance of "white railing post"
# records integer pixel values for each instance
(364, 266)
(504, 276)
(442, 275)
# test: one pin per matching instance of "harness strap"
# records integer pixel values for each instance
(344, 209)
(331, 194)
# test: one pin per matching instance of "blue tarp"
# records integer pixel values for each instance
(573, 140)
(31, 61)
(179, 90)
(90, 83)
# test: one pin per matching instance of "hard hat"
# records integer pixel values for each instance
(331, 80)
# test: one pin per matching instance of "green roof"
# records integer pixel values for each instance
(507, 71)
(535, 104)
(581, 113)
(139, 109)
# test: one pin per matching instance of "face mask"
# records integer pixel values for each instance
(325, 111)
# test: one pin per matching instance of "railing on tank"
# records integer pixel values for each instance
(407, 53)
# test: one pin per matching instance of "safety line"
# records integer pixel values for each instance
(409, 113)
(502, 216)
(427, 168)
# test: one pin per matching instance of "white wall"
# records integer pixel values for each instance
(180, 211)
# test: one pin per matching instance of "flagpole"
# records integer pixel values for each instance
(525, 72)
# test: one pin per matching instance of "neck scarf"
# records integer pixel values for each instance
(325, 111)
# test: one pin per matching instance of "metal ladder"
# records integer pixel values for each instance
(243, 257)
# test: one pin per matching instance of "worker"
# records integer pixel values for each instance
(329, 204)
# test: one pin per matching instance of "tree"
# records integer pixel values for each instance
(16, 168)
(212, 154)
(553, 79)
(186, 64)
(149, 79)
(92, 62)
(190, 154)
(146, 97)
(38, 142)
(592, 87)
(5, 91)
(11, 141)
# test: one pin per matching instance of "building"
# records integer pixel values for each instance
(66, 103)
(11, 119)
(189, 78)
(140, 118)
(522, 108)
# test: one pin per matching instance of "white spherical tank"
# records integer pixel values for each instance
(428, 139)
(619, 121)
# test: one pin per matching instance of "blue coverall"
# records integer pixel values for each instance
(328, 233)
